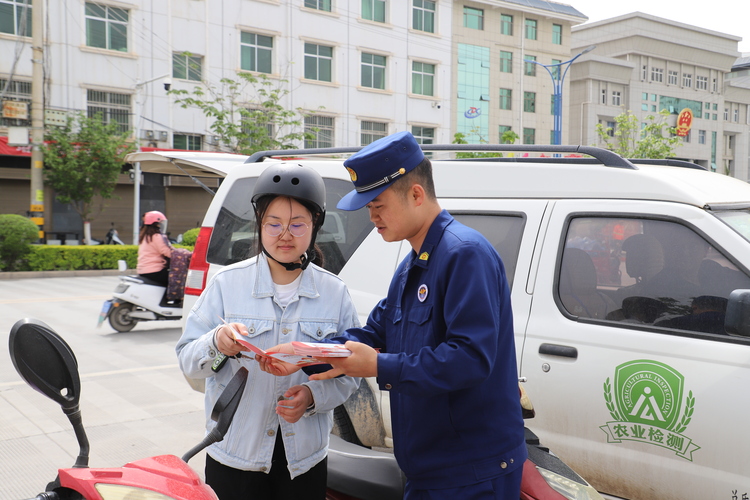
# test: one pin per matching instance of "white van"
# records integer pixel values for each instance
(622, 273)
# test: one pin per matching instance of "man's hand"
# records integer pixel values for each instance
(362, 363)
(276, 367)
(297, 399)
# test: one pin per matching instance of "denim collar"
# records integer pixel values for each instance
(264, 284)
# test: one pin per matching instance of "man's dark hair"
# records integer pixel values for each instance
(422, 175)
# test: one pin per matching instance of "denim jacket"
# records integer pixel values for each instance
(244, 293)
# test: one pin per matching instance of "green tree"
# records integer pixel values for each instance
(82, 160)
(628, 139)
(508, 137)
(246, 114)
(17, 233)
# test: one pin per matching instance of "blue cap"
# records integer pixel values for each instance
(374, 167)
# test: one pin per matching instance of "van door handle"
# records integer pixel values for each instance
(558, 350)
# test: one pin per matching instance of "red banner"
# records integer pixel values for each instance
(6, 150)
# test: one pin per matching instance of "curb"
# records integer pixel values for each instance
(18, 275)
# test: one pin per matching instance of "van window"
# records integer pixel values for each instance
(234, 234)
(648, 272)
(504, 231)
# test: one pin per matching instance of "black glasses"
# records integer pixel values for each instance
(296, 229)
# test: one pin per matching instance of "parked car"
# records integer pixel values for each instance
(630, 331)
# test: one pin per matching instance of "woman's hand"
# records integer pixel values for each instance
(224, 339)
(297, 399)
(274, 366)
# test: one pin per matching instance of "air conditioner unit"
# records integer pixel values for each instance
(147, 134)
(163, 136)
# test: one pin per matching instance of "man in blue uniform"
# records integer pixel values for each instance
(444, 332)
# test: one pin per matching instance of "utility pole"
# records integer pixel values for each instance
(36, 209)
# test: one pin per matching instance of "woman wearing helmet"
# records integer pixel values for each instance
(276, 447)
(154, 250)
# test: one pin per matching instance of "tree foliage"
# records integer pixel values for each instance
(17, 233)
(656, 139)
(246, 114)
(82, 160)
(508, 137)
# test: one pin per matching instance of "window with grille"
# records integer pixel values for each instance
(529, 103)
(318, 62)
(373, 10)
(15, 17)
(321, 128)
(113, 108)
(657, 75)
(672, 77)
(107, 27)
(423, 16)
(186, 66)
(422, 78)
(372, 131)
(529, 136)
(256, 52)
(373, 71)
(687, 80)
(701, 83)
(15, 91)
(187, 141)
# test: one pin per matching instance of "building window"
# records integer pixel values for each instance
(423, 16)
(657, 75)
(186, 66)
(506, 24)
(422, 78)
(15, 17)
(373, 10)
(604, 96)
(529, 136)
(114, 108)
(373, 71)
(187, 141)
(473, 18)
(372, 131)
(736, 118)
(701, 83)
(531, 29)
(319, 5)
(529, 68)
(264, 127)
(616, 98)
(318, 62)
(506, 98)
(686, 137)
(726, 114)
(529, 102)
(557, 34)
(321, 128)
(423, 135)
(687, 80)
(502, 130)
(506, 62)
(256, 52)
(16, 91)
(611, 126)
(701, 137)
(106, 27)
(555, 69)
(714, 85)
(672, 77)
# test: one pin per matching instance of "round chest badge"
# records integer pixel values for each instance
(422, 293)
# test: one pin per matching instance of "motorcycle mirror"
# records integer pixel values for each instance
(223, 412)
(46, 362)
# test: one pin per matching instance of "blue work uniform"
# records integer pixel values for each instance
(448, 360)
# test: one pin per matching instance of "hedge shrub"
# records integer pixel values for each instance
(190, 236)
(16, 235)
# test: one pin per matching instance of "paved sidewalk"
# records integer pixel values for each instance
(18, 275)
(135, 402)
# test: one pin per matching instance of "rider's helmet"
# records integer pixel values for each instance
(296, 181)
(155, 217)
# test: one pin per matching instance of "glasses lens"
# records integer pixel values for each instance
(273, 229)
(298, 229)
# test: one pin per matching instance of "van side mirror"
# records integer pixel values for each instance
(737, 321)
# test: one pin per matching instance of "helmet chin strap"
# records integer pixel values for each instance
(292, 266)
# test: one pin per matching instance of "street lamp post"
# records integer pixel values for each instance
(137, 165)
(558, 79)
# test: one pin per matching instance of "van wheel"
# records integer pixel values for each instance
(119, 317)
(343, 427)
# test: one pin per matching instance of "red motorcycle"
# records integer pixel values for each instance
(46, 362)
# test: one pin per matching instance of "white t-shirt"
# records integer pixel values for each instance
(285, 293)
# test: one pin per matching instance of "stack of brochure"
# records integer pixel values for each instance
(320, 350)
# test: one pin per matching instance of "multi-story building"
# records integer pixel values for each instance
(496, 88)
(645, 64)
(361, 69)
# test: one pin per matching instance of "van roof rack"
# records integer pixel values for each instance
(599, 155)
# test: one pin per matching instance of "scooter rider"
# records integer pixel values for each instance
(154, 249)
